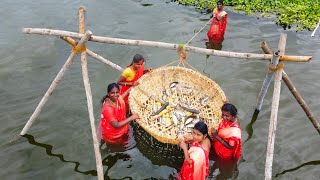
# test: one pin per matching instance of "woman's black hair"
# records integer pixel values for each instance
(203, 128)
(230, 108)
(137, 58)
(220, 1)
(110, 87)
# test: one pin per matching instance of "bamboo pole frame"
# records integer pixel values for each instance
(274, 112)
(72, 42)
(87, 87)
(109, 40)
(55, 83)
(294, 91)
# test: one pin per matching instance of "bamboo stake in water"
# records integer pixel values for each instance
(274, 112)
(314, 31)
(274, 62)
(87, 87)
(165, 45)
(55, 82)
(295, 92)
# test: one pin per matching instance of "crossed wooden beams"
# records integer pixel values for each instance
(275, 67)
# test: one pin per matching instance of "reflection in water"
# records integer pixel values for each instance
(158, 153)
(222, 169)
(60, 156)
(298, 167)
(249, 127)
(214, 45)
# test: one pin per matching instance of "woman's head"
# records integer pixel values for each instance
(137, 61)
(229, 111)
(200, 131)
(219, 4)
(113, 92)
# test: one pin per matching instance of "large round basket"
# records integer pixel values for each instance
(171, 99)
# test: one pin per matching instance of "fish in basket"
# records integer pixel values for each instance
(171, 99)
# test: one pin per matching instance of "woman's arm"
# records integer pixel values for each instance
(147, 70)
(126, 93)
(184, 147)
(217, 137)
(122, 81)
(115, 124)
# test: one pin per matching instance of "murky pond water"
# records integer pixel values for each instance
(59, 144)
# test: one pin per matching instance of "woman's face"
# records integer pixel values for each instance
(137, 65)
(227, 116)
(219, 5)
(197, 136)
(114, 94)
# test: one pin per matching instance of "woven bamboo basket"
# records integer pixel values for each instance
(172, 89)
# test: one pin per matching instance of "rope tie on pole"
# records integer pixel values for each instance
(182, 53)
(75, 48)
(278, 67)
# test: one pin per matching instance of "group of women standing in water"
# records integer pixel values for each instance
(225, 141)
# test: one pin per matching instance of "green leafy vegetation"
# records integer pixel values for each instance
(296, 14)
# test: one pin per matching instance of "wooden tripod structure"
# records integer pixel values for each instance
(275, 67)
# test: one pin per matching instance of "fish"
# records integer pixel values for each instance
(190, 119)
(174, 119)
(195, 111)
(204, 100)
(161, 109)
(164, 96)
(173, 85)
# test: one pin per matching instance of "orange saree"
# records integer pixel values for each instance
(228, 131)
(218, 28)
(110, 134)
(124, 88)
(199, 167)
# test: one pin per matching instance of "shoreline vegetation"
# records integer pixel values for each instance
(290, 14)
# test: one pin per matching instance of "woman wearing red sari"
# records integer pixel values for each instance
(196, 163)
(218, 25)
(131, 74)
(227, 138)
(114, 123)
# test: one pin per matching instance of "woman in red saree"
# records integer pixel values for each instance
(227, 138)
(114, 123)
(218, 25)
(196, 163)
(131, 74)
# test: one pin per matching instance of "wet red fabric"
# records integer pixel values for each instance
(228, 131)
(199, 167)
(110, 134)
(218, 28)
(138, 74)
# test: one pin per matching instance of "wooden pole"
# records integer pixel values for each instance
(87, 87)
(294, 91)
(274, 112)
(55, 82)
(165, 45)
(274, 62)
(314, 31)
(94, 55)
(300, 100)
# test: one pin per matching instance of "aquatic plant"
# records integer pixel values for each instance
(296, 14)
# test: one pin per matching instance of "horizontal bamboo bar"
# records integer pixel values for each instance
(164, 45)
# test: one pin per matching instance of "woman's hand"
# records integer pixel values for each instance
(182, 144)
(134, 116)
(135, 83)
